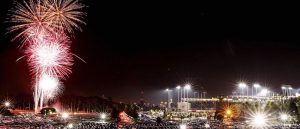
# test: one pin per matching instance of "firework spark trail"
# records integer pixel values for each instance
(49, 87)
(43, 26)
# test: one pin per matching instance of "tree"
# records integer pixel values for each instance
(132, 110)
(115, 112)
(158, 120)
(294, 111)
(5, 112)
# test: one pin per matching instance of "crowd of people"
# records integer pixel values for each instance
(91, 125)
(33, 122)
(203, 124)
(30, 122)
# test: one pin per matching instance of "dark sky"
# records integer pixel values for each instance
(134, 47)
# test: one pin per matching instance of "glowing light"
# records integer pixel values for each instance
(49, 87)
(182, 126)
(70, 125)
(207, 125)
(47, 83)
(259, 118)
(283, 87)
(228, 112)
(259, 121)
(103, 116)
(242, 85)
(6, 104)
(65, 115)
(264, 92)
(284, 117)
(167, 89)
(187, 86)
(256, 85)
(178, 87)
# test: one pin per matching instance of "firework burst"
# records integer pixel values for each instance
(32, 17)
(66, 15)
(50, 56)
(49, 87)
(28, 18)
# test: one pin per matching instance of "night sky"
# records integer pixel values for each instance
(134, 47)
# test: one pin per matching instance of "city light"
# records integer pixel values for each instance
(264, 92)
(70, 125)
(242, 85)
(167, 89)
(259, 121)
(178, 87)
(228, 112)
(256, 85)
(187, 86)
(260, 117)
(182, 126)
(284, 117)
(207, 125)
(6, 104)
(65, 115)
(103, 116)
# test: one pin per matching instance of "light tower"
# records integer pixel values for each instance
(284, 91)
(178, 89)
(242, 85)
(290, 89)
(168, 102)
(187, 87)
(256, 86)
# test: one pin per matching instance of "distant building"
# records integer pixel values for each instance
(183, 106)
